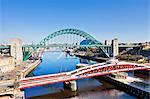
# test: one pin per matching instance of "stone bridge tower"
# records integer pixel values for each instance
(16, 50)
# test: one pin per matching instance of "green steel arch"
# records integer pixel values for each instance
(70, 31)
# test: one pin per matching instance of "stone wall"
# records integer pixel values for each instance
(6, 64)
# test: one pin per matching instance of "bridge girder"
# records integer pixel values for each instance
(70, 31)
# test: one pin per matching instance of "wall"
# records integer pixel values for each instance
(6, 64)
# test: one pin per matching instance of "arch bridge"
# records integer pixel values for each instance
(71, 38)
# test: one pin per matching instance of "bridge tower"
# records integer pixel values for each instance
(16, 50)
(115, 48)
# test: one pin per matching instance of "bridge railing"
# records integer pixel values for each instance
(110, 67)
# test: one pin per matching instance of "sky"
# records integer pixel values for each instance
(32, 20)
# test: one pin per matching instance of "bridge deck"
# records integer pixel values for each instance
(85, 72)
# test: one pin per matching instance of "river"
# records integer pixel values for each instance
(89, 88)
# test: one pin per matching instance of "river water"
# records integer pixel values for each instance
(89, 88)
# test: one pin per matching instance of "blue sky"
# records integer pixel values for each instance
(32, 20)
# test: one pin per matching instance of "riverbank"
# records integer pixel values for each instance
(98, 59)
(9, 80)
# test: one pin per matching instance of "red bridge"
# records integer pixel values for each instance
(85, 72)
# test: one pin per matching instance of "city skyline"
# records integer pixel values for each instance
(32, 20)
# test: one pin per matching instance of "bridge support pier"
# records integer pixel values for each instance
(16, 50)
(72, 85)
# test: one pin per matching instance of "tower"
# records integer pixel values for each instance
(16, 50)
(115, 48)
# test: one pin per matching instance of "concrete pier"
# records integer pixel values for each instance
(30, 68)
(72, 85)
(144, 72)
(129, 86)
